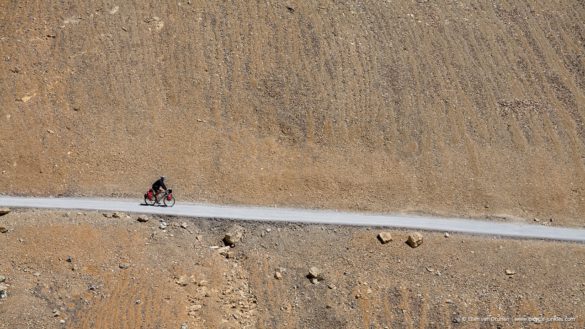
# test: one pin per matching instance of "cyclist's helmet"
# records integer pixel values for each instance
(162, 177)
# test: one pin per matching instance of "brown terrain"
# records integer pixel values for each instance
(97, 271)
(464, 108)
(472, 108)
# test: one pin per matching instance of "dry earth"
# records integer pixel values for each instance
(473, 108)
(96, 271)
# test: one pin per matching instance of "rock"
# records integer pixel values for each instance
(184, 326)
(315, 274)
(225, 251)
(184, 225)
(194, 308)
(384, 237)
(62, 321)
(143, 219)
(3, 291)
(69, 259)
(447, 235)
(56, 313)
(4, 211)
(117, 215)
(233, 236)
(124, 266)
(3, 229)
(277, 275)
(510, 272)
(2, 278)
(163, 225)
(183, 281)
(415, 240)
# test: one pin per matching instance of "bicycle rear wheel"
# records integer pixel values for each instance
(149, 201)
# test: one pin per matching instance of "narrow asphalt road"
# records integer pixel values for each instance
(515, 230)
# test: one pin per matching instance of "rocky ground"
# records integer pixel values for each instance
(112, 270)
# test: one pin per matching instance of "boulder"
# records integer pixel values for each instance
(233, 235)
(384, 237)
(315, 274)
(415, 239)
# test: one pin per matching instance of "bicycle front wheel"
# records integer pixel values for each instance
(169, 203)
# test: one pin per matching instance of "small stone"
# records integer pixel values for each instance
(138, 302)
(2, 278)
(384, 237)
(3, 291)
(62, 321)
(4, 211)
(194, 308)
(143, 219)
(37, 274)
(69, 259)
(203, 283)
(224, 251)
(3, 229)
(56, 313)
(163, 225)
(277, 275)
(447, 235)
(124, 266)
(183, 281)
(184, 225)
(184, 326)
(116, 215)
(510, 272)
(331, 286)
(415, 239)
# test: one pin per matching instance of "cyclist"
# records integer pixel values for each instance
(159, 186)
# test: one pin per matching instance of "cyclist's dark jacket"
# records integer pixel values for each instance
(158, 184)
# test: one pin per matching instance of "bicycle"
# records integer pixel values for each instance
(167, 198)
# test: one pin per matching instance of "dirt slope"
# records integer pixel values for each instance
(126, 274)
(464, 107)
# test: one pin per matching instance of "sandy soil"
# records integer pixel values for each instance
(471, 108)
(96, 271)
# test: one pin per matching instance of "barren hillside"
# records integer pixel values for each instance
(458, 107)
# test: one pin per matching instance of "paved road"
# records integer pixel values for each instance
(516, 230)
